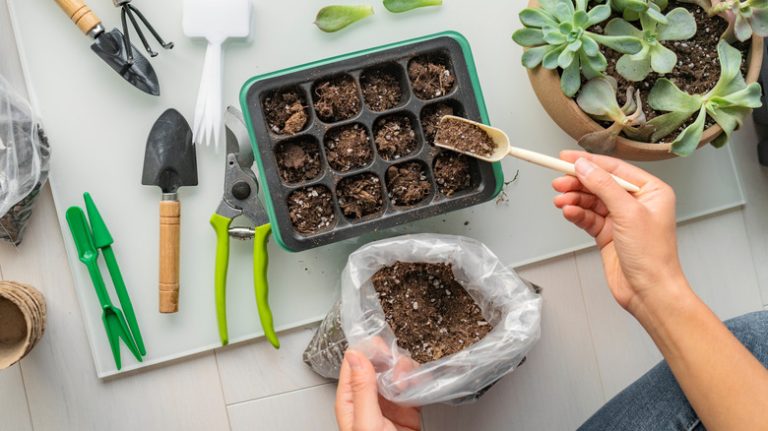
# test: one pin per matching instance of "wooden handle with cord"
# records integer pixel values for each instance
(170, 218)
(80, 14)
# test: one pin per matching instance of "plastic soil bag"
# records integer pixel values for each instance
(24, 155)
(511, 307)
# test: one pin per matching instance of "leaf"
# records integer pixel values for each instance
(532, 56)
(334, 18)
(570, 79)
(550, 58)
(638, 6)
(681, 25)
(398, 6)
(688, 140)
(665, 96)
(728, 118)
(580, 19)
(620, 27)
(655, 14)
(663, 59)
(748, 97)
(623, 44)
(632, 69)
(536, 18)
(553, 36)
(589, 45)
(592, 67)
(598, 14)
(667, 123)
(565, 58)
(601, 141)
(598, 98)
(759, 22)
(730, 66)
(741, 28)
(529, 37)
(574, 46)
(564, 11)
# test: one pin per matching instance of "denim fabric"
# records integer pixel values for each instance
(656, 402)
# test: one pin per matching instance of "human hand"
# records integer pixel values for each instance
(635, 233)
(359, 407)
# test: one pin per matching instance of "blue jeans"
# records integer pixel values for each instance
(656, 402)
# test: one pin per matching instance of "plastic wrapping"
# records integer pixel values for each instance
(505, 300)
(24, 155)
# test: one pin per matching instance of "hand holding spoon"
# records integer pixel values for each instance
(502, 148)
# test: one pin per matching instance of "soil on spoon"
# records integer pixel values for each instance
(360, 195)
(431, 313)
(430, 118)
(381, 89)
(408, 183)
(452, 173)
(285, 111)
(394, 137)
(348, 148)
(298, 160)
(311, 209)
(336, 99)
(430, 76)
(464, 137)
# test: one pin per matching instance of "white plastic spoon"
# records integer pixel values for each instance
(503, 148)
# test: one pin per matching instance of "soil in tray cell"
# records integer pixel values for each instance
(286, 111)
(431, 313)
(431, 76)
(360, 195)
(298, 160)
(408, 183)
(336, 99)
(311, 209)
(381, 88)
(394, 137)
(348, 147)
(430, 118)
(452, 173)
(464, 137)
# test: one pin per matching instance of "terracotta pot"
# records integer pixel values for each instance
(567, 114)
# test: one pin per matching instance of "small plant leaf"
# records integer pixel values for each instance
(592, 67)
(620, 27)
(598, 14)
(601, 141)
(565, 58)
(532, 56)
(688, 140)
(730, 70)
(334, 18)
(741, 28)
(550, 58)
(580, 19)
(748, 97)
(655, 14)
(759, 22)
(528, 37)
(681, 25)
(564, 11)
(553, 37)
(665, 96)
(570, 79)
(534, 17)
(667, 123)
(398, 6)
(633, 69)
(663, 59)
(574, 46)
(589, 46)
(623, 44)
(598, 98)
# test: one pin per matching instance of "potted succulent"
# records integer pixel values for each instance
(645, 79)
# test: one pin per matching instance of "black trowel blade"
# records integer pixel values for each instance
(170, 160)
(110, 46)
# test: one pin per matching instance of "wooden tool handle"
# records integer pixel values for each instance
(170, 217)
(80, 14)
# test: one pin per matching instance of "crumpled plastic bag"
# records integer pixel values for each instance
(506, 301)
(24, 155)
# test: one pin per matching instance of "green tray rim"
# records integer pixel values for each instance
(473, 76)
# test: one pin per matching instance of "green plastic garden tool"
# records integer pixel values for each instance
(114, 321)
(241, 199)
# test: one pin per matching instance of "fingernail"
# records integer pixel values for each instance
(354, 361)
(584, 166)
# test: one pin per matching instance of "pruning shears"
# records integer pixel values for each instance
(240, 198)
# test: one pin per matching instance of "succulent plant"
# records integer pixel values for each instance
(333, 18)
(557, 35)
(598, 99)
(632, 10)
(728, 103)
(680, 25)
(745, 17)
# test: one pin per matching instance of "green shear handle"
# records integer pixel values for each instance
(221, 225)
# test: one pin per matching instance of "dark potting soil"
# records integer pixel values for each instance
(697, 69)
(430, 76)
(394, 137)
(452, 173)
(381, 89)
(311, 209)
(431, 313)
(285, 111)
(408, 183)
(298, 160)
(360, 195)
(464, 137)
(336, 99)
(430, 118)
(348, 147)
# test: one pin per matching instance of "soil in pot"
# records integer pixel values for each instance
(452, 173)
(431, 76)
(311, 209)
(298, 160)
(464, 137)
(381, 88)
(431, 313)
(336, 99)
(408, 183)
(394, 137)
(360, 195)
(285, 111)
(348, 147)
(430, 118)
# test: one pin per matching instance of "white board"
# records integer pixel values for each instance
(98, 127)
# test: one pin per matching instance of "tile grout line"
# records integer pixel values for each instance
(235, 404)
(753, 255)
(221, 388)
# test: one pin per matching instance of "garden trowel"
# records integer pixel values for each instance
(170, 162)
(110, 46)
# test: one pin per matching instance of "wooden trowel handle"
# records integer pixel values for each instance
(170, 216)
(80, 14)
